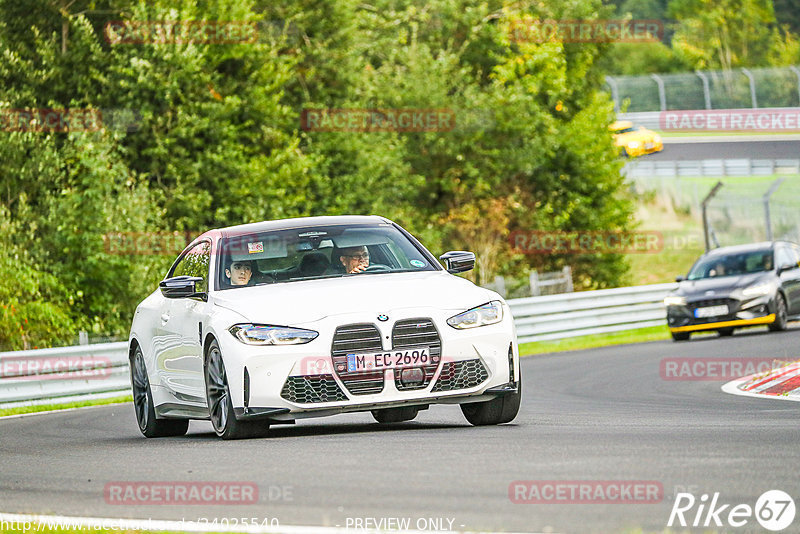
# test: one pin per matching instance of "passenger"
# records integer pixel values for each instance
(239, 273)
(718, 270)
(355, 259)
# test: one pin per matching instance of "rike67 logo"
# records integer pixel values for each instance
(774, 510)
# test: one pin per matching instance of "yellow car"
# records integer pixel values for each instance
(635, 141)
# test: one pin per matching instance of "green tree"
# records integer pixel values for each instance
(724, 34)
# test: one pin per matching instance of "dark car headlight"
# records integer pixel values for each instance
(263, 334)
(486, 314)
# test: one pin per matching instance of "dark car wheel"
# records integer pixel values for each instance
(143, 404)
(780, 314)
(496, 411)
(725, 332)
(681, 336)
(395, 415)
(220, 405)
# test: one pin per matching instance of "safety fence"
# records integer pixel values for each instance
(732, 89)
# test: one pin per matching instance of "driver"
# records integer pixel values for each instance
(239, 273)
(355, 259)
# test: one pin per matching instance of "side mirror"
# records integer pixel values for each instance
(679, 278)
(180, 287)
(784, 268)
(458, 261)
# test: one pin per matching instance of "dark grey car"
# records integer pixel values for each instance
(738, 286)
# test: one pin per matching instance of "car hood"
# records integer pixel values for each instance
(294, 303)
(721, 286)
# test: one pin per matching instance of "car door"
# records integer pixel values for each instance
(788, 257)
(181, 360)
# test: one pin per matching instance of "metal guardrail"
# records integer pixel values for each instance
(31, 375)
(649, 119)
(59, 373)
(711, 167)
(589, 312)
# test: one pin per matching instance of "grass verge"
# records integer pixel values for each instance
(639, 335)
(63, 406)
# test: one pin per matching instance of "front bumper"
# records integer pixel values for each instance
(741, 313)
(767, 319)
(291, 382)
(644, 149)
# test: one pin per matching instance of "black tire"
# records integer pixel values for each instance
(149, 425)
(681, 336)
(779, 325)
(496, 411)
(725, 332)
(220, 405)
(395, 415)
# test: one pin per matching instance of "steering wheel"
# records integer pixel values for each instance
(377, 268)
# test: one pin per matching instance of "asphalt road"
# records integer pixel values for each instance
(694, 150)
(603, 414)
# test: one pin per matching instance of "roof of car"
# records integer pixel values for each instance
(749, 247)
(619, 125)
(302, 222)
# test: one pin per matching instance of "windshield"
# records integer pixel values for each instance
(624, 130)
(732, 264)
(316, 252)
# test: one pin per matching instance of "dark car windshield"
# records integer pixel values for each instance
(732, 264)
(317, 252)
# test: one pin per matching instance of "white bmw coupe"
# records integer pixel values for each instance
(266, 323)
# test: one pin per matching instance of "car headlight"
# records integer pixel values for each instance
(489, 313)
(262, 334)
(757, 290)
(674, 301)
(633, 144)
(656, 138)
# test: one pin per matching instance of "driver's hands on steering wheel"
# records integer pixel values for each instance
(360, 268)
(375, 267)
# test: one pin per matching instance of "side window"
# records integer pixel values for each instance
(796, 252)
(783, 257)
(196, 263)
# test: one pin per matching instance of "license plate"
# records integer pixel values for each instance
(389, 360)
(711, 311)
(648, 146)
